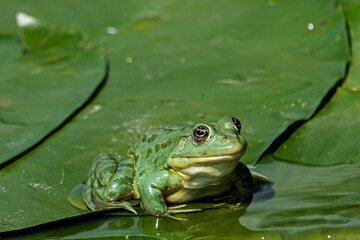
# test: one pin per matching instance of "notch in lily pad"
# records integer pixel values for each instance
(38, 34)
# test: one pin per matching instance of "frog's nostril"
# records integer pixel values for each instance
(224, 139)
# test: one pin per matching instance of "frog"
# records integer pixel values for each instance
(173, 164)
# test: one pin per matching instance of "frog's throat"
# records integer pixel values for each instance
(180, 161)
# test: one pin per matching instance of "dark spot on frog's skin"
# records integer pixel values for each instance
(164, 145)
(149, 151)
(144, 138)
(155, 161)
(157, 147)
(169, 130)
(141, 173)
(204, 153)
(152, 138)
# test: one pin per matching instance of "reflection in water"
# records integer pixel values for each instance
(121, 223)
(214, 224)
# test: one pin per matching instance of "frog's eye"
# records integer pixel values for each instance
(237, 124)
(201, 133)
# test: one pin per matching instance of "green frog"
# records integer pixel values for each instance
(173, 164)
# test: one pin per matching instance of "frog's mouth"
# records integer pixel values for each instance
(183, 161)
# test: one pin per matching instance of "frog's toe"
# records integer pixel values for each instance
(129, 208)
(237, 206)
(123, 205)
(169, 214)
(100, 204)
(177, 207)
(176, 210)
(234, 201)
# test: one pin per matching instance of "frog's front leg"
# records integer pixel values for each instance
(109, 183)
(153, 188)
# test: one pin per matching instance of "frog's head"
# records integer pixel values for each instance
(213, 142)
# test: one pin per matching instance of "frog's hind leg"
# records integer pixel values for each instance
(110, 183)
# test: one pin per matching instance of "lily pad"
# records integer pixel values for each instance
(332, 136)
(44, 87)
(307, 200)
(267, 63)
(167, 70)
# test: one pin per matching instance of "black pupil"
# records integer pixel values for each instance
(200, 133)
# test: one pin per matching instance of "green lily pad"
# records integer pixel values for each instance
(307, 198)
(331, 137)
(165, 70)
(267, 63)
(44, 87)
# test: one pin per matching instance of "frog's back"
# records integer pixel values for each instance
(153, 150)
